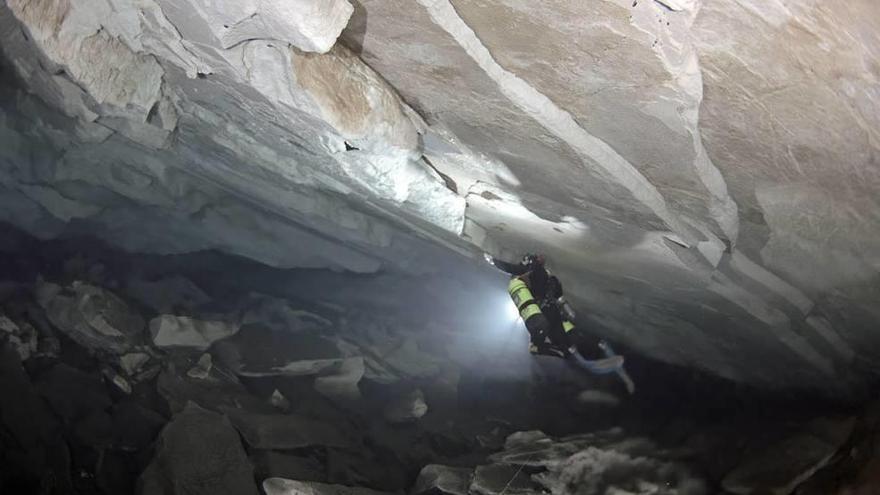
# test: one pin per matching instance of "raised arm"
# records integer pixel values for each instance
(511, 268)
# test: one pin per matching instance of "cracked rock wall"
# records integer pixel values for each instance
(702, 175)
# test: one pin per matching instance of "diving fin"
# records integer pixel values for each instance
(604, 366)
(621, 373)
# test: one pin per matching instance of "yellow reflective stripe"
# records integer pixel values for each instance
(567, 326)
(515, 285)
(523, 298)
(519, 292)
(529, 311)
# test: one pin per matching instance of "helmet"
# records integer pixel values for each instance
(530, 259)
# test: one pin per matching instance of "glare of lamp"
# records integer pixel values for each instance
(512, 312)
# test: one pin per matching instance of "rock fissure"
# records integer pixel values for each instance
(551, 117)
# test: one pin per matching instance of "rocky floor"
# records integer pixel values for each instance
(207, 374)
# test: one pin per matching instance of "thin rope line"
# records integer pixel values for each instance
(521, 466)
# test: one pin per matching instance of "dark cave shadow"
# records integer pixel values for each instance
(353, 35)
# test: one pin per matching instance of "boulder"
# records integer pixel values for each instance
(286, 431)
(202, 369)
(281, 486)
(279, 401)
(21, 336)
(171, 331)
(781, 467)
(390, 354)
(406, 408)
(115, 379)
(218, 390)
(260, 351)
(435, 479)
(168, 294)
(198, 453)
(35, 451)
(340, 382)
(271, 464)
(133, 362)
(73, 394)
(91, 316)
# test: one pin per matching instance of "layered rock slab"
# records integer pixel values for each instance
(199, 452)
(93, 317)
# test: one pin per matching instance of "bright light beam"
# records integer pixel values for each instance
(512, 312)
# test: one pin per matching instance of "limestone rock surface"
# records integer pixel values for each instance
(680, 162)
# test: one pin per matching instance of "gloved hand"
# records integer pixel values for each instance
(489, 259)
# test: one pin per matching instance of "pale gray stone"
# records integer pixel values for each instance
(341, 382)
(279, 401)
(406, 408)
(133, 362)
(187, 332)
(202, 369)
(22, 337)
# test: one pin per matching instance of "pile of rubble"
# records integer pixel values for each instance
(157, 386)
(149, 388)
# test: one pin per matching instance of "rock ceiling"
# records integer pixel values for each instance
(703, 175)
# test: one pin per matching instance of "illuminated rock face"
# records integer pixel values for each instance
(703, 176)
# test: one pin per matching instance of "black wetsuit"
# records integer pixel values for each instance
(546, 289)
